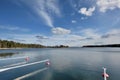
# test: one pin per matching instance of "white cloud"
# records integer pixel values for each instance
(60, 31)
(114, 31)
(74, 21)
(87, 37)
(90, 33)
(14, 28)
(83, 18)
(111, 38)
(105, 5)
(69, 39)
(87, 12)
(41, 37)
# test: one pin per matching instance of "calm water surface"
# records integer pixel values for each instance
(66, 63)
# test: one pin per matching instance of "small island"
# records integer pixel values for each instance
(107, 45)
(5, 44)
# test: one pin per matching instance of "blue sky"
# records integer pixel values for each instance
(56, 22)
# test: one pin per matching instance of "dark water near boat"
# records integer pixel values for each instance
(66, 63)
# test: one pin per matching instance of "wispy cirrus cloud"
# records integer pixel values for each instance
(46, 17)
(44, 9)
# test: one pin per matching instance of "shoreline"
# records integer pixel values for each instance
(29, 48)
(9, 48)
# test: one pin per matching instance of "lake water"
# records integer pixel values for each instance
(66, 64)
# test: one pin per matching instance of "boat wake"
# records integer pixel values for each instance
(18, 66)
(31, 74)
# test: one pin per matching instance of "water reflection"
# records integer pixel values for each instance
(4, 55)
(85, 64)
(75, 63)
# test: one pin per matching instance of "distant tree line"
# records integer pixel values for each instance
(12, 44)
(107, 45)
(60, 46)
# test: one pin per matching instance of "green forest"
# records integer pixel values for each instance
(12, 44)
(107, 45)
